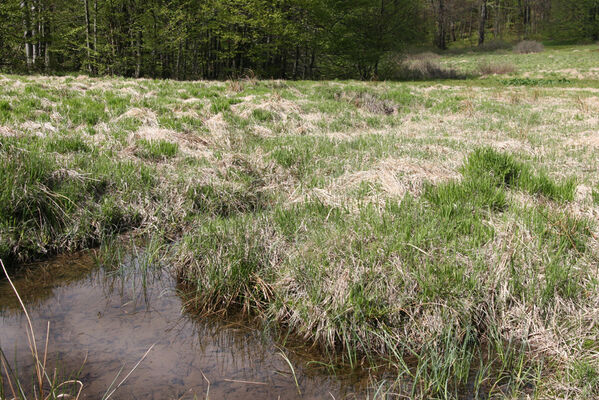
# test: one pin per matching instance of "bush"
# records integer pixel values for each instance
(528, 47)
(489, 68)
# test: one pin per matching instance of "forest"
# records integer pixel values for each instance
(288, 39)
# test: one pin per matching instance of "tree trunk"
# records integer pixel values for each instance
(87, 35)
(27, 35)
(95, 26)
(138, 55)
(441, 34)
(482, 22)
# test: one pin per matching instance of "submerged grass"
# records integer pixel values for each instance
(47, 385)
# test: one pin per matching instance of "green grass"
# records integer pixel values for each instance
(156, 149)
(504, 170)
(437, 233)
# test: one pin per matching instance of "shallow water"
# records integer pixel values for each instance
(103, 322)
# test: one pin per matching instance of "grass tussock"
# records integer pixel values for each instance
(369, 102)
(504, 170)
(156, 149)
(46, 206)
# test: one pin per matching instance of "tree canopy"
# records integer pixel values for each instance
(294, 39)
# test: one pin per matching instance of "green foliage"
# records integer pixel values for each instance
(231, 260)
(83, 110)
(46, 206)
(574, 20)
(221, 104)
(584, 374)
(264, 115)
(5, 109)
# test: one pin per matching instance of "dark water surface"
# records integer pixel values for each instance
(103, 322)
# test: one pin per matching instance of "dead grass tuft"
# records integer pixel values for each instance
(276, 105)
(426, 69)
(146, 116)
(6, 131)
(398, 176)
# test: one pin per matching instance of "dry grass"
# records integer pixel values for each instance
(370, 103)
(422, 66)
(489, 68)
(427, 69)
(528, 47)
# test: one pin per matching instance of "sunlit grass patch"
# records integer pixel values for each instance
(156, 149)
(68, 144)
(353, 278)
(504, 170)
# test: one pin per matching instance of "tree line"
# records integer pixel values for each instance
(292, 39)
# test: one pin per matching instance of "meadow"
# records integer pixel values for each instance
(441, 233)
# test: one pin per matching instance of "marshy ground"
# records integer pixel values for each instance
(443, 230)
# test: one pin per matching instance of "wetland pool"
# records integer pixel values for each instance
(103, 322)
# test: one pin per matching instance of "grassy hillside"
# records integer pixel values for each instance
(445, 230)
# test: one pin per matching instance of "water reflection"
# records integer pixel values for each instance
(102, 322)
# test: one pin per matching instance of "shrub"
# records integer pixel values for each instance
(489, 68)
(528, 47)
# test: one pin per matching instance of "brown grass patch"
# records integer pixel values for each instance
(399, 176)
(587, 139)
(274, 104)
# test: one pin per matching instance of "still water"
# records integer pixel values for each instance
(102, 322)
